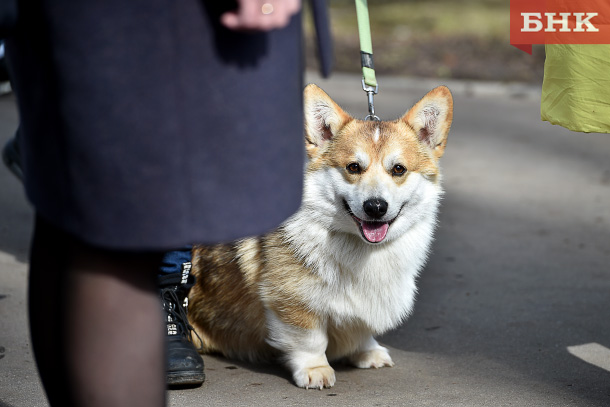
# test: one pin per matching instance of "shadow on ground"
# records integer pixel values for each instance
(519, 270)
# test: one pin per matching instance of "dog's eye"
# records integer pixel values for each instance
(398, 170)
(354, 168)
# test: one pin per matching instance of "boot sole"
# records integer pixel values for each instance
(183, 379)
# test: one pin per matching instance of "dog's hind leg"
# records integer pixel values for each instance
(304, 351)
(370, 355)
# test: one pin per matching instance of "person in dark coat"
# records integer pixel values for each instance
(145, 126)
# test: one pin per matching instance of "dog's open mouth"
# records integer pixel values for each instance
(372, 231)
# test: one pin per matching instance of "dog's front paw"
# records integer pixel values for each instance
(375, 358)
(315, 377)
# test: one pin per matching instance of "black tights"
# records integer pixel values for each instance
(96, 323)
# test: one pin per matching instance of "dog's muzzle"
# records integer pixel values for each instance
(374, 231)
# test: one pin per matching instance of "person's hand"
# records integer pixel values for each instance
(260, 15)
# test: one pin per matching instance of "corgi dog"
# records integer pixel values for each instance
(343, 268)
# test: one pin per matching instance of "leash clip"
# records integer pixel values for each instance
(370, 92)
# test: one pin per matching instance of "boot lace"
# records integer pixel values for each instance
(177, 314)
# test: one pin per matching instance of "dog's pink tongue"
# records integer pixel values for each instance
(375, 232)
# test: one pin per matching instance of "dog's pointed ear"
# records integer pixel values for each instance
(431, 119)
(323, 119)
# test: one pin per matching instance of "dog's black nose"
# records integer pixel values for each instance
(375, 208)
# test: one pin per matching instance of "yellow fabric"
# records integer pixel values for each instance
(576, 87)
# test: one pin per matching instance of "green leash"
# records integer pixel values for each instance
(369, 82)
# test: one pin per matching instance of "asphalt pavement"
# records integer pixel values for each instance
(513, 305)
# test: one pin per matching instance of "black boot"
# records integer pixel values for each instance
(184, 364)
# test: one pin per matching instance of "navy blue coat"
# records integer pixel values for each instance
(148, 126)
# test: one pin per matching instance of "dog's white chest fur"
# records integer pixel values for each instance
(358, 283)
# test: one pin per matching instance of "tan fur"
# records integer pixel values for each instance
(225, 308)
(442, 95)
(399, 132)
(227, 305)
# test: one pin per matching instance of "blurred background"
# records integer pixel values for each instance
(450, 39)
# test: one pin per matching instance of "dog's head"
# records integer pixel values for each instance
(376, 179)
